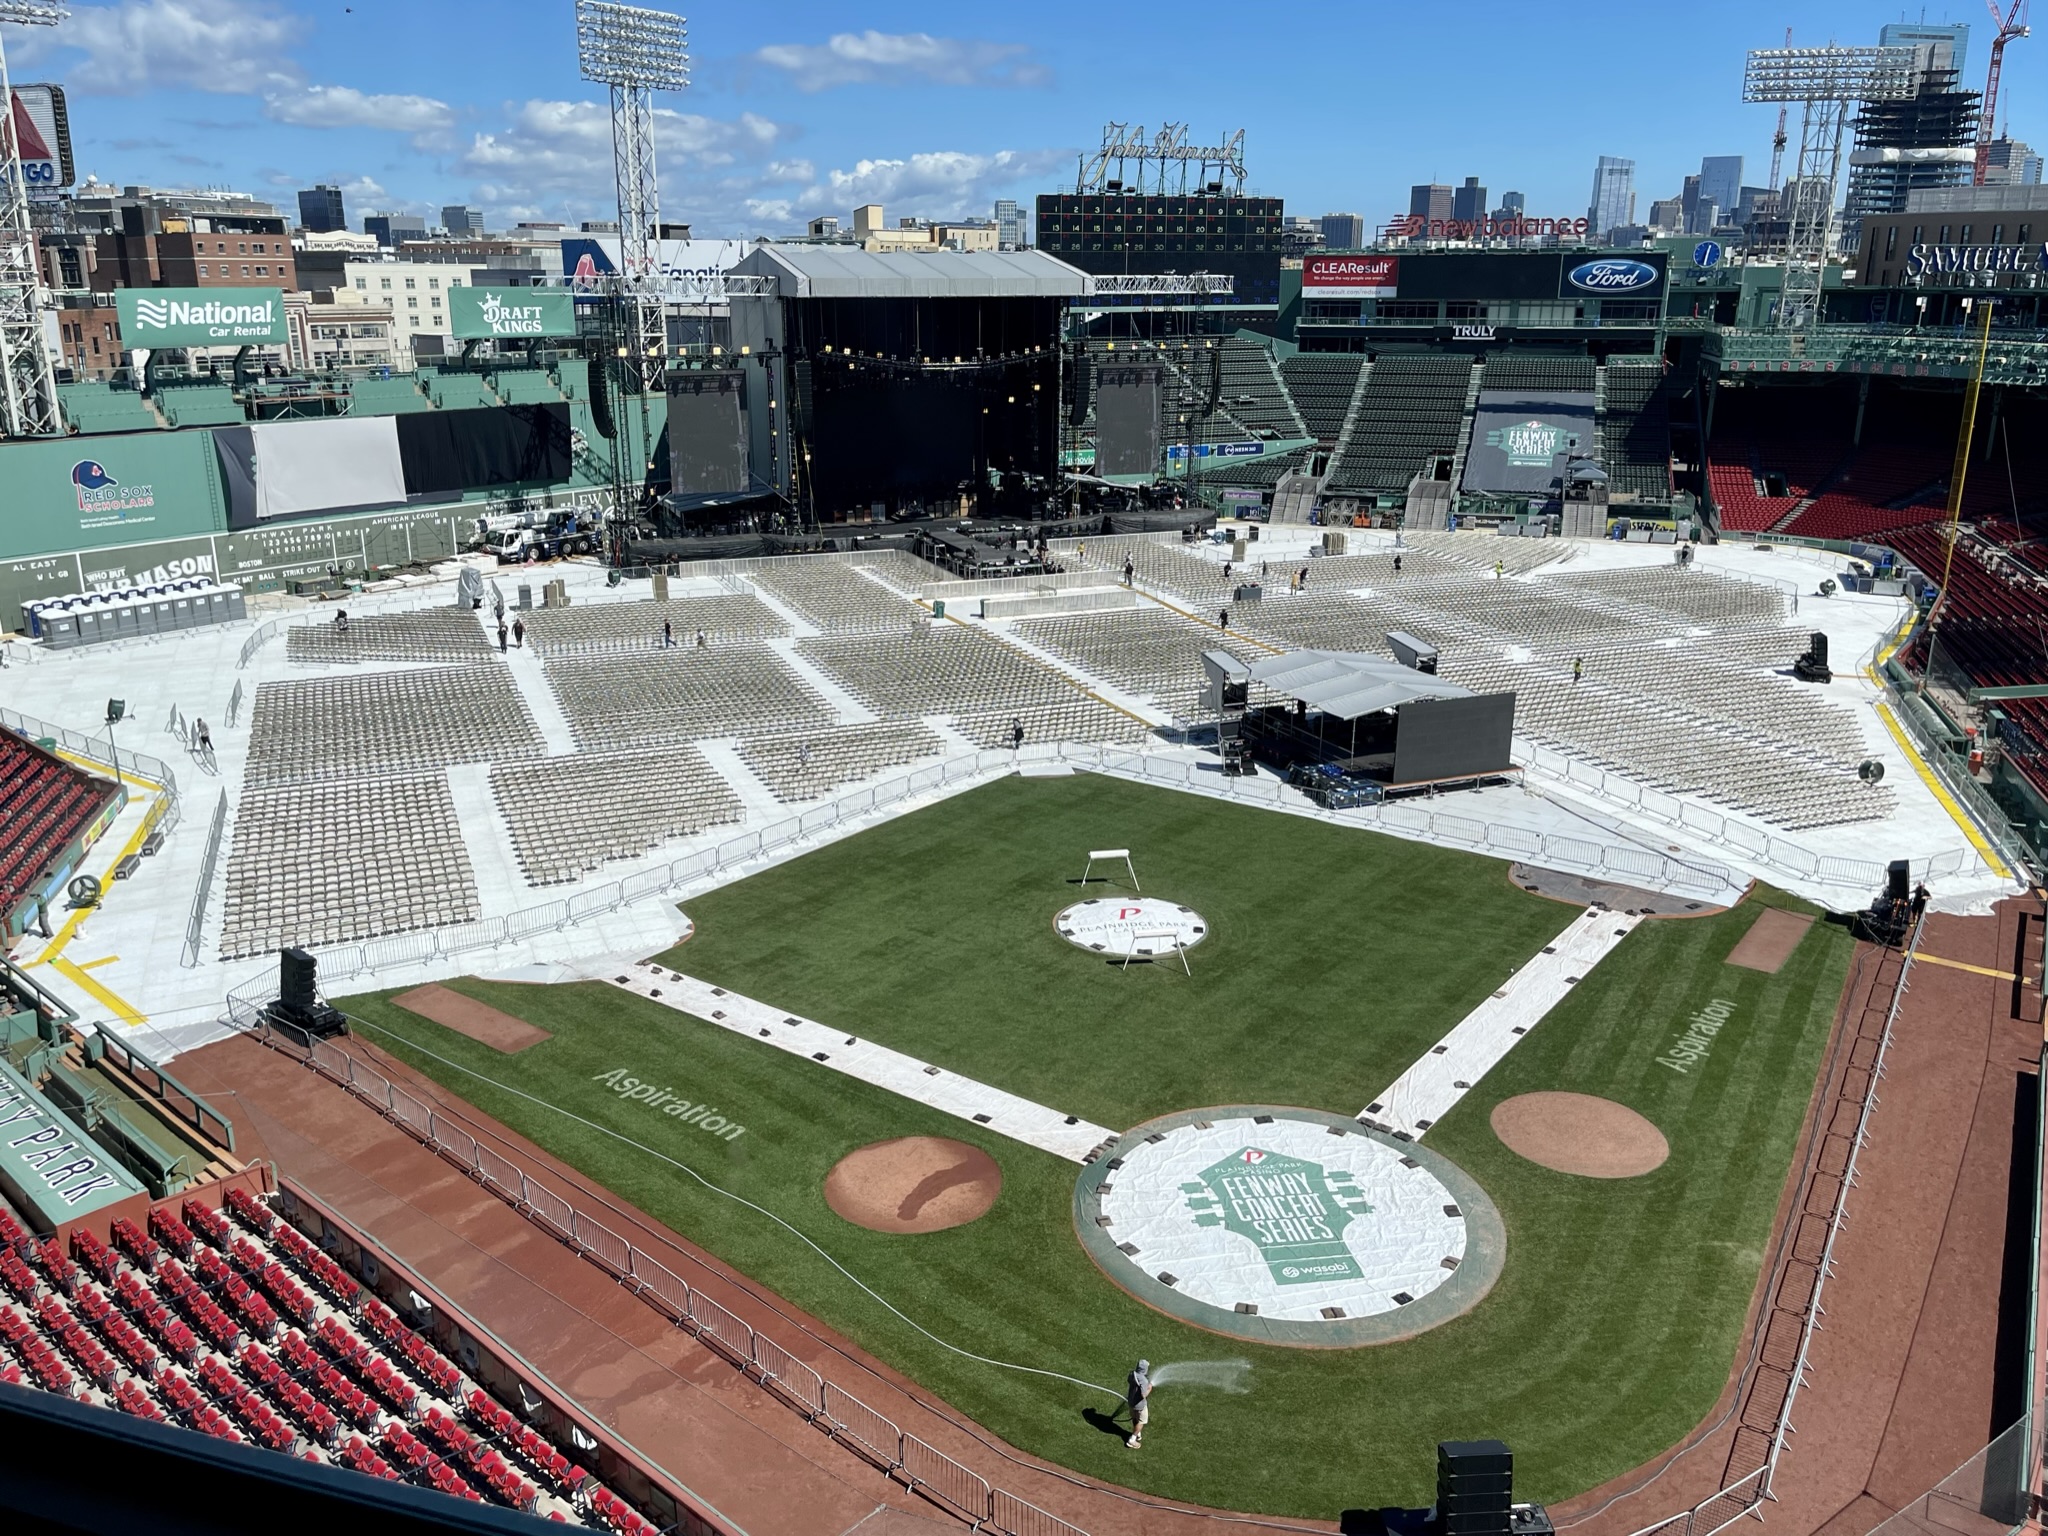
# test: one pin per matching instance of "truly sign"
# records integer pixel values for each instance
(201, 317)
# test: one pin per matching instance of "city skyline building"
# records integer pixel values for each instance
(1614, 195)
(1468, 202)
(1343, 231)
(1431, 201)
(459, 219)
(1010, 234)
(320, 210)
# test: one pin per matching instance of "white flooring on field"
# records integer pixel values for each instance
(129, 950)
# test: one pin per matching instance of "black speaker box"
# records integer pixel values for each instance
(1898, 880)
(1818, 648)
(1483, 1522)
(296, 974)
(1463, 1456)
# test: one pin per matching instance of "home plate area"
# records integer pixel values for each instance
(1124, 926)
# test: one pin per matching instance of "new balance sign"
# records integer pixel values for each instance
(517, 313)
(201, 317)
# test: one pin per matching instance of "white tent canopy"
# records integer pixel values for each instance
(1348, 684)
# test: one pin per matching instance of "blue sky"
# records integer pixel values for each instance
(799, 109)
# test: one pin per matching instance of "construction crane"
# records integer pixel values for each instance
(2013, 24)
(1778, 138)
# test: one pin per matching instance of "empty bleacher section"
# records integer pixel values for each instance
(49, 810)
(1253, 389)
(1412, 408)
(1537, 370)
(1322, 384)
(231, 1322)
(837, 598)
(671, 695)
(386, 397)
(525, 386)
(1896, 476)
(568, 815)
(94, 408)
(316, 864)
(1635, 434)
(637, 626)
(426, 634)
(1771, 450)
(350, 727)
(199, 405)
(806, 764)
(970, 677)
(456, 391)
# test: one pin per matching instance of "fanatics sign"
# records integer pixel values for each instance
(1349, 277)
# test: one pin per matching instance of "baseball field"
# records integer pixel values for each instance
(1332, 959)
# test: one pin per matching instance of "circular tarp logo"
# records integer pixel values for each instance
(1131, 925)
(1289, 1226)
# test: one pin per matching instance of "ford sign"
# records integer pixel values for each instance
(1613, 274)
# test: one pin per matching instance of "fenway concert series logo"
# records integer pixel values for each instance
(1534, 443)
(103, 498)
(1292, 1210)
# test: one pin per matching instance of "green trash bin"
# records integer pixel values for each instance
(938, 608)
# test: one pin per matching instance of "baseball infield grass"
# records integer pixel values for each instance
(1334, 959)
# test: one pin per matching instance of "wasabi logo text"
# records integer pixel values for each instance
(1700, 1030)
(705, 1117)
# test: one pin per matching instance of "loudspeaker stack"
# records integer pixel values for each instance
(1474, 1487)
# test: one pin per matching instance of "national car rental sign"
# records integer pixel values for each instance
(201, 317)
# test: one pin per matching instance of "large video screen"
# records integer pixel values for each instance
(1454, 738)
(1126, 420)
(1522, 437)
(707, 435)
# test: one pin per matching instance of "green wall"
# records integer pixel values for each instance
(157, 485)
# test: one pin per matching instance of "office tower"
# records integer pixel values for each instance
(320, 210)
(1614, 195)
(1009, 224)
(1946, 43)
(1343, 231)
(1468, 203)
(460, 220)
(1721, 179)
(1431, 202)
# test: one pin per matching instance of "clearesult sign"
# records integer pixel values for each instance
(201, 317)
(1350, 277)
(514, 313)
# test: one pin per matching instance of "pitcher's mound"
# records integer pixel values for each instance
(1577, 1133)
(913, 1184)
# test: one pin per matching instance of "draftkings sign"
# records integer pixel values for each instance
(516, 314)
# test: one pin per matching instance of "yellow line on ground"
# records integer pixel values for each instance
(1940, 792)
(1974, 970)
(118, 1006)
(69, 931)
(93, 965)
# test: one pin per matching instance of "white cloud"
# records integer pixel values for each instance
(230, 47)
(859, 58)
(560, 152)
(342, 106)
(939, 185)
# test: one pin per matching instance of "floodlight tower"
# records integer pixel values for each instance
(27, 375)
(1826, 83)
(636, 52)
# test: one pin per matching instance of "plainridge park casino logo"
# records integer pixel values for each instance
(1131, 925)
(1288, 1225)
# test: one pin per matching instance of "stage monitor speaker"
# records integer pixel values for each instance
(1818, 648)
(1898, 880)
(297, 973)
(1474, 1480)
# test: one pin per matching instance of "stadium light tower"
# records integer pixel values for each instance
(636, 52)
(1826, 83)
(26, 372)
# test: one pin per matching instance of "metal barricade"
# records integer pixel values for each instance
(330, 1060)
(788, 1377)
(861, 1427)
(501, 1173)
(939, 1476)
(550, 1209)
(667, 1288)
(411, 1113)
(1014, 1517)
(369, 1082)
(724, 1329)
(602, 1244)
(452, 1139)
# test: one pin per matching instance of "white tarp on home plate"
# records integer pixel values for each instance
(1285, 1216)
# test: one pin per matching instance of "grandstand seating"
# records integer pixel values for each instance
(351, 726)
(1253, 391)
(655, 697)
(95, 407)
(456, 391)
(1412, 408)
(1635, 432)
(1764, 457)
(45, 804)
(421, 634)
(637, 625)
(1322, 384)
(315, 864)
(200, 405)
(806, 764)
(1537, 370)
(568, 815)
(337, 1378)
(572, 378)
(525, 386)
(386, 397)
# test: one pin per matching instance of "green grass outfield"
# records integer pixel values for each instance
(1336, 957)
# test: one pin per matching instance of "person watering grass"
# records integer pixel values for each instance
(1137, 1397)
